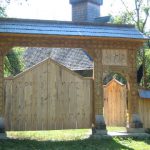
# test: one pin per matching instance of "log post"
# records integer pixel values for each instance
(2, 127)
(3, 52)
(100, 126)
(133, 100)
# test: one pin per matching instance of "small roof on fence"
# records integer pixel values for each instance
(144, 93)
(64, 28)
(114, 80)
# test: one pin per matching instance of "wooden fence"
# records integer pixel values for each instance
(144, 111)
(115, 106)
(48, 96)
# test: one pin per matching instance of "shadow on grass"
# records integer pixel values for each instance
(143, 139)
(86, 144)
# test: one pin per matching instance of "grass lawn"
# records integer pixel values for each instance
(68, 140)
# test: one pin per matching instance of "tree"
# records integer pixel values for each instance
(2, 12)
(12, 63)
(139, 17)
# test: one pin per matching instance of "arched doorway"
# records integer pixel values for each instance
(115, 100)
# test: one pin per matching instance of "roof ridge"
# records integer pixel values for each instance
(68, 22)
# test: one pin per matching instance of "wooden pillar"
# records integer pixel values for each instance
(133, 100)
(3, 52)
(1, 95)
(98, 91)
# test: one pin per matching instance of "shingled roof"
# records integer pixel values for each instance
(64, 28)
(73, 59)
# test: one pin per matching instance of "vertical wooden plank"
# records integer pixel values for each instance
(20, 92)
(8, 105)
(43, 93)
(51, 95)
(65, 96)
(28, 100)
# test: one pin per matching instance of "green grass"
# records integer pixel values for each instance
(69, 140)
(53, 135)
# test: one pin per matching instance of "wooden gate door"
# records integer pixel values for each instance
(115, 103)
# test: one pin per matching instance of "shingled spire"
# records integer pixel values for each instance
(85, 10)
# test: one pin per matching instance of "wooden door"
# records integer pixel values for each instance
(115, 103)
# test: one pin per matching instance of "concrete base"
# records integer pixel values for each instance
(136, 122)
(100, 122)
(100, 127)
(100, 132)
(2, 125)
(3, 136)
(135, 130)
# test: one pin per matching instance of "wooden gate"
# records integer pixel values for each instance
(115, 103)
(48, 96)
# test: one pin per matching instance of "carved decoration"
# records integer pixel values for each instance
(114, 57)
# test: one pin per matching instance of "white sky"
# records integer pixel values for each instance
(56, 9)
(60, 9)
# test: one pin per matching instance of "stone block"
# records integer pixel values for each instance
(135, 130)
(2, 125)
(100, 122)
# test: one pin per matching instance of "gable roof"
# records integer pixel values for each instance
(73, 59)
(64, 28)
(115, 81)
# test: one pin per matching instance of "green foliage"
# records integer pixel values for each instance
(123, 18)
(13, 62)
(139, 17)
(115, 75)
(2, 12)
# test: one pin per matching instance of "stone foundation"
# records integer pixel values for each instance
(136, 122)
(100, 126)
(136, 125)
(2, 125)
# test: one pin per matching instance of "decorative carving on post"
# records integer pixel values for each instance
(114, 57)
(3, 51)
(100, 126)
(133, 103)
(2, 128)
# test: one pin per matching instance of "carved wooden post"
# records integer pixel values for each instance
(2, 129)
(133, 101)
(100, 126)
(3, 51)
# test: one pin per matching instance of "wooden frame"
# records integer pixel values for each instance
(94, 46)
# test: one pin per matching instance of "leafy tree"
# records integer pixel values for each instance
(115, 75)
(12, 61)
(2, 12)
(139, 17)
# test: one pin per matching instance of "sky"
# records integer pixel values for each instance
(57, 9)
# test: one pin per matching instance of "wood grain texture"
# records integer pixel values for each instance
(48, 96)
(1, 86)
(144, 111)
(114, 57)
(115, 103)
